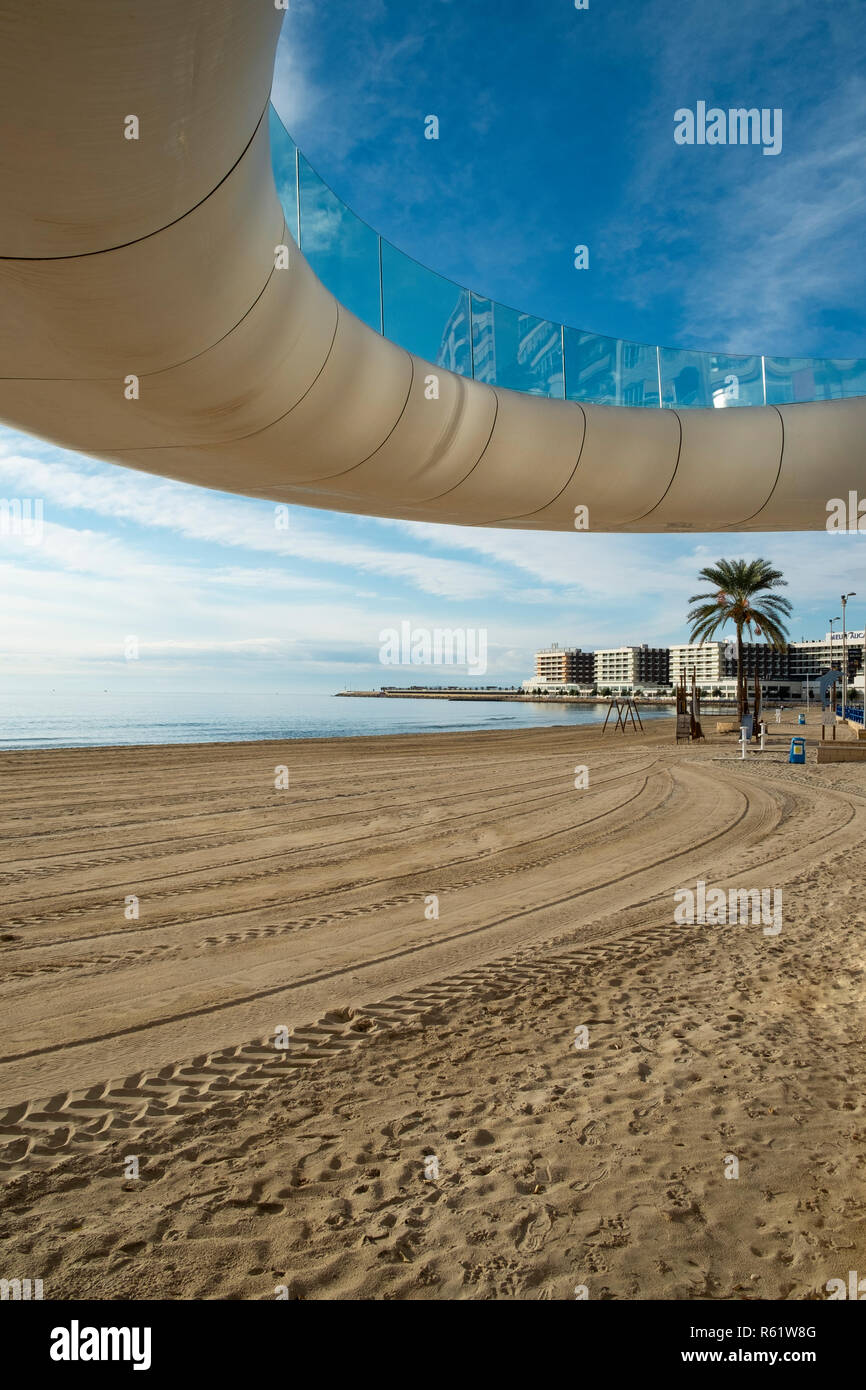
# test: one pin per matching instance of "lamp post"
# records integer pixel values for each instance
(845, 598)
(808, 673)
(832, 621)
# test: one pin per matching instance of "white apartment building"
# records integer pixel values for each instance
(632, 668)
(810, 657)
(615, 666)
(707, 661)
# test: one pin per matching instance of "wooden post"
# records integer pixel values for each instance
(834, 711)
(625, 710)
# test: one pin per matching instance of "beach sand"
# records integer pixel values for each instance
(431, 1130)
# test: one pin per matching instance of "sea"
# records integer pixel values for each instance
(88, 720)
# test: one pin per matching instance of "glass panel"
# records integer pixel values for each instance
(424, 312)
(343, 250)
(608, 371)
(814, 379)
(430, 316)
(839, 377)
(285, 174)
(789, 379)
(710, 379)
(516, 350)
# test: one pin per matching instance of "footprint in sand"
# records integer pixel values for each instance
(592, 1133)
(533, 1230)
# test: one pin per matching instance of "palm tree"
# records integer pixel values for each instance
(737, 585)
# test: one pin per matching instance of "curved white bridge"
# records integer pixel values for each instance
(153, 259)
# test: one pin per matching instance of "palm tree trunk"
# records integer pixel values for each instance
(742, 697)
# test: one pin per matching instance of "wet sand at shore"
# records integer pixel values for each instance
(424, 921)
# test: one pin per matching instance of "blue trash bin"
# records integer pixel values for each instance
(801, 718)
(798, 751)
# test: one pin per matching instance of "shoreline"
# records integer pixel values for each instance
(494, 696)
(314, 739)
(665, 719)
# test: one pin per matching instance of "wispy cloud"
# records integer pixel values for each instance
(199, 515)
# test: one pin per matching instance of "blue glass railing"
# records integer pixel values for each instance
(453, 327)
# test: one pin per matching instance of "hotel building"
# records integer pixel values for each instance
(706, 662)
(564, 665)
(655, 670)
(632, 666)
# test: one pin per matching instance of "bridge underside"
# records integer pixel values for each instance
(143, 319)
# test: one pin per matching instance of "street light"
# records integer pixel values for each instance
(832, 621)
(845, 598)
(805, 656)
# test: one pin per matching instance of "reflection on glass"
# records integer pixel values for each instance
(424, 312)
(343, 250)
(814, 379)
(710, 379)
(516, 350)
(283, 155)
(789, 379)
(608, 371)
(839, 377)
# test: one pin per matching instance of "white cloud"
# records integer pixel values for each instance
(199, 515)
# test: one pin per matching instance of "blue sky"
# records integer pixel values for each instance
(555, 128)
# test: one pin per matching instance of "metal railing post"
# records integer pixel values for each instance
(298, 191)
(562, 348)
(471, 335)
(381, 292)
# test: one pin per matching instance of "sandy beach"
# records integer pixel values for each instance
(425, 921)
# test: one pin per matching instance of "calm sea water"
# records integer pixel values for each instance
(66, 720)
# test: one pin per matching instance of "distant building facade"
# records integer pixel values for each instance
(706, 661)
(652, 665)
(564, 665)
(632, 666)
(614, 666)
(783, 675)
